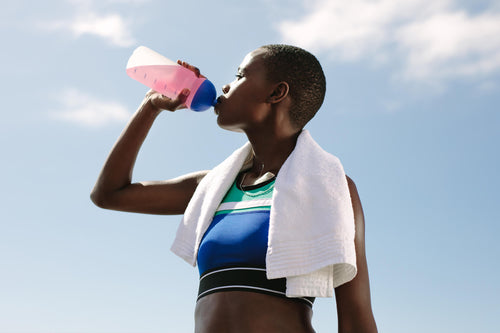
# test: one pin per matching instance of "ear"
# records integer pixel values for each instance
(279, 93)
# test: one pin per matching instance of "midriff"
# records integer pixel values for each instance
(250, 312)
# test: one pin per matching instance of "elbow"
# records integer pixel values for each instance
(98, 198)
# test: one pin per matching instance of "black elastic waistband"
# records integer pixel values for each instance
(244, 279)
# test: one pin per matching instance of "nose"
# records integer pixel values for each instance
(225, 88)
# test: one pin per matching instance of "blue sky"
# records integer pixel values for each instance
(412, 110)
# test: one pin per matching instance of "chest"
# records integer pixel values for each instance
(238, 234)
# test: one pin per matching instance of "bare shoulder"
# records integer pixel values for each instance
(187, 182)
(193, 177)
(351, 184)
(356, 201)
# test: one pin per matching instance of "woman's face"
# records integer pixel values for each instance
(244, 101)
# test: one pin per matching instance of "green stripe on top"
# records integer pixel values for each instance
(235, 194)
(249, 200)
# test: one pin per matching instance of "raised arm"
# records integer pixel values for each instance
(114, 190)
(354, 310)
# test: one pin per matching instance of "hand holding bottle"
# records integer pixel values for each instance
(170, 78)
(162, 102)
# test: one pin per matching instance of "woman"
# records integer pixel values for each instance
(277, 90)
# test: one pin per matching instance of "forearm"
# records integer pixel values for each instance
(117, 170)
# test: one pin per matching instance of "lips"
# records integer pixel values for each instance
(219, 101)
(216, 105)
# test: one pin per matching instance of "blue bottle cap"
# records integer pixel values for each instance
(205, 97)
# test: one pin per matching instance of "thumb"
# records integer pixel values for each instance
(180, 100)
(184, 94)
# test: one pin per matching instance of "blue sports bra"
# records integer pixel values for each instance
(232, 252)
(239, 230)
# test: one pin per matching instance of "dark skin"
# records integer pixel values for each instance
(259, 108)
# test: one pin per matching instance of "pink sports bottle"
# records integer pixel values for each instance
(169, 78)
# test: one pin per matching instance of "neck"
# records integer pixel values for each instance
(271, 150)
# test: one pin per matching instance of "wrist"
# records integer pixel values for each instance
(148, 107)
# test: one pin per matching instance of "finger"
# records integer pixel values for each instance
(170, 104)
(180, 101)
(192, 68)
(182, 97)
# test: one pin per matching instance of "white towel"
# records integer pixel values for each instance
(311, 227)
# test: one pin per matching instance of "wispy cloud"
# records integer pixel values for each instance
(111, 26)
(82, 109)
(452, 44)
(431, 39)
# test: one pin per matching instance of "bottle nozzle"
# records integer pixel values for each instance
(205, 97)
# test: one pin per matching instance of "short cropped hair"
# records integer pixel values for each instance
(304, 75)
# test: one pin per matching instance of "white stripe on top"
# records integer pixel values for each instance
(244, 204)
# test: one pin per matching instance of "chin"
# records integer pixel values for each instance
(229, 127)
(232, 129)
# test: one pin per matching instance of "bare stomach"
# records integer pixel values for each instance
(249, 312)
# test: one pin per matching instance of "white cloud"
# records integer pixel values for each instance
(452, 44)
(434, 39)
(111, 27)
(85, 110)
